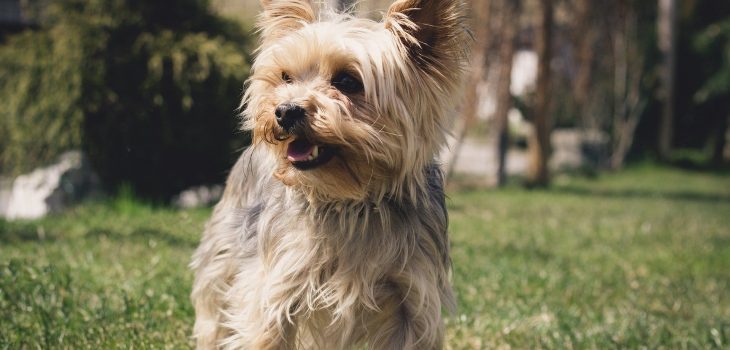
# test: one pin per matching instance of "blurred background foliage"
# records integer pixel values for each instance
(715, 40)
(148, 89)
(703, 77)
(632, 80)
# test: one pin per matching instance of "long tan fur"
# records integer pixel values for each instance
(355, 251)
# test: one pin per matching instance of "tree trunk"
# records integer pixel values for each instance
(667, 30)
(628, 71)
(584, 40)
(504, 97)
(479, 67)
(539, 141)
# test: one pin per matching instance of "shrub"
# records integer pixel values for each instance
(148, 88)
(40, 88)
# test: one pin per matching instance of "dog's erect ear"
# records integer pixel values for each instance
(283, 16)
(428, 29)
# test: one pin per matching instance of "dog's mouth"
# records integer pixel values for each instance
(305, 155)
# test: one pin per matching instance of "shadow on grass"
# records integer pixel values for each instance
(142, 235)
(21, 231)
(15, 232)
(640, 194)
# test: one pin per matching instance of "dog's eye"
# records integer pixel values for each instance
(286, 78)
(346, 83)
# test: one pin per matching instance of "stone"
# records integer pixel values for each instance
(196, 197)
(575, 149)
(49, 189)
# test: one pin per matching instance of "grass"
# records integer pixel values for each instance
(639, 259)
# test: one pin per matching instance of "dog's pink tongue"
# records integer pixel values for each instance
(299, 150)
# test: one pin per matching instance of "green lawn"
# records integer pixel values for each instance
(639, 259)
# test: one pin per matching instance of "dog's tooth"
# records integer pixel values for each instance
(315, 152)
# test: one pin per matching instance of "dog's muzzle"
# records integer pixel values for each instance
(288, 115)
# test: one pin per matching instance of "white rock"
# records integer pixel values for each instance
(49, 189)
(199, 196)
(574, 149)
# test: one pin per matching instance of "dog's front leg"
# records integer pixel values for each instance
(267, 320)
(409, 319)
(275, 337)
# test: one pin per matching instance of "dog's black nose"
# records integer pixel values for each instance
(288, 114)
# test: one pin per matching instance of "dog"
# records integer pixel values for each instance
(332, 230)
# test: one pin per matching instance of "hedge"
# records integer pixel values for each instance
(148, 89)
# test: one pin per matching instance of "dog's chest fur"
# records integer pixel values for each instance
(321, 273)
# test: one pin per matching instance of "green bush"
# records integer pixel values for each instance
(149, 89)
(40, 88)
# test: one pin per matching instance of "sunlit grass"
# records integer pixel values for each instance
(632, 260)
(638, 259)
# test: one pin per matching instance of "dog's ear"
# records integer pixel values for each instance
(428, 29)
(280, 17)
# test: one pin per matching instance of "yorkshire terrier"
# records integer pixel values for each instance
(332, 231)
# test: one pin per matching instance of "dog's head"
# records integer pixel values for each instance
(354, 108)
